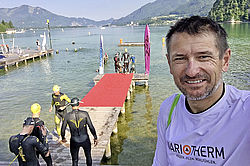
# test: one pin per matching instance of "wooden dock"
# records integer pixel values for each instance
(104, 103)
(127, 44)
(137, 78)
(15, 59)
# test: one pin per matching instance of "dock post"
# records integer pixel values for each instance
(115, 130)
(40, 57)
(16, 64)
(33, 59)
(25, 61)
(146, 84)
(128, 95)
(123, 109)
(6, 68)
(131, 88)
(133, 84)
(108, 150)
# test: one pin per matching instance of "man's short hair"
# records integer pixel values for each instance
(29, 122)
(196, 25)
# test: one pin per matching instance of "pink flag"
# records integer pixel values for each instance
(147, 49)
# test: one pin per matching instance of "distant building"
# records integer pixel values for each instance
(10, 31)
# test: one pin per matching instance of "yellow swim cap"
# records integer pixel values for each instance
(56, 88)
(35, 108)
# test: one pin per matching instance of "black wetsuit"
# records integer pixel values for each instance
(116, 60)
(27, 152)
(60, 101)
(78, 122)
(125, 58)
(43, 139)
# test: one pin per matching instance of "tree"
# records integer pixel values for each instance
(11, 24)
(229, 10)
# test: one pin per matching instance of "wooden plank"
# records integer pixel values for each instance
(130, 44)
(13, 59)
(138, 77)
(104, 120)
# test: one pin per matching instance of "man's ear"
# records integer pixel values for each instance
(225, 60)
(169, 62)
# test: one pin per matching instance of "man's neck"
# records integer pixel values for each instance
(198, 106)
(25, 132)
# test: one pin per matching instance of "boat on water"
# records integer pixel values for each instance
(21, 31)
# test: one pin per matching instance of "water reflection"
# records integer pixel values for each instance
(134, 139)
(46, 67)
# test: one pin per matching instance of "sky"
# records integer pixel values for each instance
(92, 9)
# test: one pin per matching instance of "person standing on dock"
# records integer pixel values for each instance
(78, 121)
(38, 44)
(132, 62)
(125, 58)
(37, 131)
(116, 62)
(106, 57)
(208, 124)
(24, 146)
(59, 100)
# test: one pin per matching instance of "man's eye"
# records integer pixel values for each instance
(179, 59)
(204, 57)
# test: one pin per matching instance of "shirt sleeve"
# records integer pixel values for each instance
(91, 127)
(160, 158)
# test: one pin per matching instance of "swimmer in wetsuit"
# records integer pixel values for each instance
(78, 121)
(59, 100)
(37, 131)
(24, 145)
(116, 61)
(125, 58)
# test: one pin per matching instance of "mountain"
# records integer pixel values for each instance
(194, 7)
(167, 7)
(26, 16)
(156, 8)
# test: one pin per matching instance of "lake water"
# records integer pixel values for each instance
(74, 72)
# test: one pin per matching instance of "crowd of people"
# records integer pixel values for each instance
(122, 62)
(32, 141)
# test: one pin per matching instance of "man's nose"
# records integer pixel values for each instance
(193, 68)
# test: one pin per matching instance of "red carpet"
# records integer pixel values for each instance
(110, 91)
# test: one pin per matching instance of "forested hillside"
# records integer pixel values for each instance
(230, 10)
(5, 25)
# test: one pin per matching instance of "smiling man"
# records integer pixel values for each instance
(209, 123)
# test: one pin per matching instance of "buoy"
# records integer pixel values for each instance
(89, 33)
(57, 51)
(67, 49)
(75, 50)
(73, 42)
(121, 41)
(163, 41)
